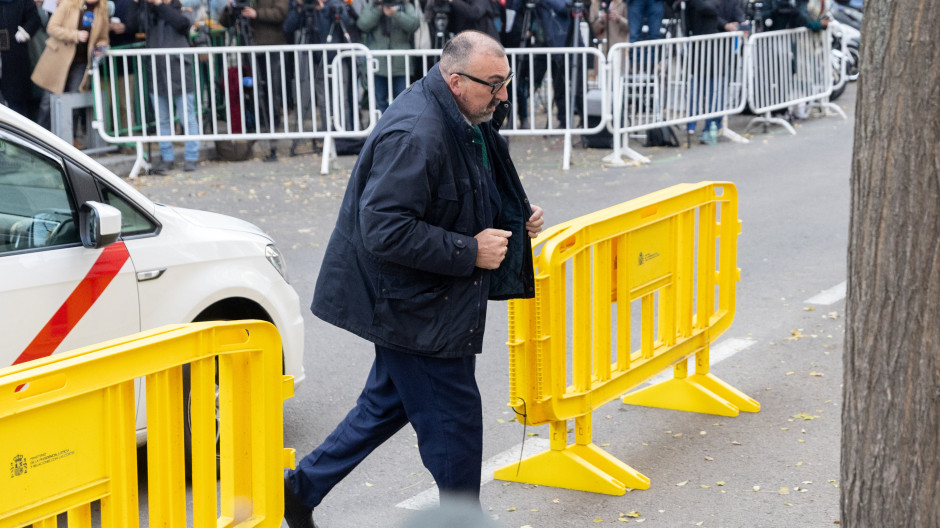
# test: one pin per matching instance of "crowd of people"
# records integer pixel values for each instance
(54, 42)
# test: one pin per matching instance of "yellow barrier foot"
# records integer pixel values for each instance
(732, 395)
(688, 394)
(577, 467)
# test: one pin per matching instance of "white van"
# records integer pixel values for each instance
(84, 257)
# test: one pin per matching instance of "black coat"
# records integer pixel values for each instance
(16, 67)
(399, 269)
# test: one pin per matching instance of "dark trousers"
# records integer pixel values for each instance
(441, 400)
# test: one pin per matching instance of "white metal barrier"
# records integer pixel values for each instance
(238, 93)
(642, 86)
(786, 68)
(674, 81)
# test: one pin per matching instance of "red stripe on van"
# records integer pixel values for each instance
(68, 315)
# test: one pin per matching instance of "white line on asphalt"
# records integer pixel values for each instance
(830, 296)
(429, 497)
(718, 353)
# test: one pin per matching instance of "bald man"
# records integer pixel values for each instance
(434, 223)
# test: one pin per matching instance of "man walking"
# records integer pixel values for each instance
(434, 222)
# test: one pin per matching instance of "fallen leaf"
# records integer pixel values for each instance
(798, 464)
(756, 488)
(598, 520)
(556, 501)
(368, 484)
(809, 309)
(683, 483)
(709, 459)
(633, 514)
(805, 416)
(784, 490)
(703, 433)
(816, 374)
(790, 373)
(704, 486)
(512, 509)
(735, 442)
(720, 483)
(677, 435)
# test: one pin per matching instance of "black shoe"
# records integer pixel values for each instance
(163, 166)
(271, 157)
(295, 513)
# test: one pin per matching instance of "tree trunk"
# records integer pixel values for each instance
(891, 408)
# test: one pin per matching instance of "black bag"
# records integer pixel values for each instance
(661, 137)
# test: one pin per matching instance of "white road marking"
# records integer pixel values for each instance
(830, 296)
(429, 497)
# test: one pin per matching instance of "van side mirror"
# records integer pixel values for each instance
(100, 224)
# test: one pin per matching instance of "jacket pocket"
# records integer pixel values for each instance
(412, 313)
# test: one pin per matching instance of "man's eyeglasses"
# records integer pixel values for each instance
(494, 87)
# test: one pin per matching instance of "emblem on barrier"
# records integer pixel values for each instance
(18, 466)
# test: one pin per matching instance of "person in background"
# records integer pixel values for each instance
(167, 25)
(122, 31)
(19, 21)
(266, 28)
(76, 30)
(388, 25)
(649, 11)
(477, 15)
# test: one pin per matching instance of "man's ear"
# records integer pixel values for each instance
(453, 81)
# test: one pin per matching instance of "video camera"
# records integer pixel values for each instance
(440, 6)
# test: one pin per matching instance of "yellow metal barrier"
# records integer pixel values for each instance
(673, 253)
(67, 430)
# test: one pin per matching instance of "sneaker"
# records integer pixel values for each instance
(296, 513)
(189, 165)
(163, 166)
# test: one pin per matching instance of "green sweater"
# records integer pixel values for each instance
(389, 33)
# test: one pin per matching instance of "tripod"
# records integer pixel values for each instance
(310, 34)
(572, 40)
(258, 82)
(441, 21)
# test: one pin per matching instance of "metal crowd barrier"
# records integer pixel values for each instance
(674, 81)
(69, 430)
(786, 68)
(645, 285)
(318, 90)
(241, 93)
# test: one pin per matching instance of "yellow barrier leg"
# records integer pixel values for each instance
(682, 395)
(583, 467)
(732, 395)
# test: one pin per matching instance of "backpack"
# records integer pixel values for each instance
(661, 137)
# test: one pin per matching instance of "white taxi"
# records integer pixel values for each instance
(85, 257)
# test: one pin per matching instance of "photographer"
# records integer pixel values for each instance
(260, 23)
(479, 15)
(389, 24)
(167, 25)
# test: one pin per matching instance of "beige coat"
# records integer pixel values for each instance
(53, 67)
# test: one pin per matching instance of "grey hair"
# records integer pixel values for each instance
(458, 52)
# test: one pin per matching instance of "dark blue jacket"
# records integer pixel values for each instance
(399, 269)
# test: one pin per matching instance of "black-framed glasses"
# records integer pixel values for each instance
(494, 87)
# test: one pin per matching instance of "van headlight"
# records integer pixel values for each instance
(273, 254)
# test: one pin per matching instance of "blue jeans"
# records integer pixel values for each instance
(441, 400)
(652, 11)
(712, 98)
(164, 125)
(381, 90)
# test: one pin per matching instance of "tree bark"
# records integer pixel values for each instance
(891, 408)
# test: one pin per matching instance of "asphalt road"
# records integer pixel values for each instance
(778, 467)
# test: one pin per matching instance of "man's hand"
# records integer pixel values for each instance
(389, 11)
(535, 222)
(492, 245)
(117, 27)
(249, 12)
(731, 26)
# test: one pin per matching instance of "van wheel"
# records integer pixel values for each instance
(187, 420)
